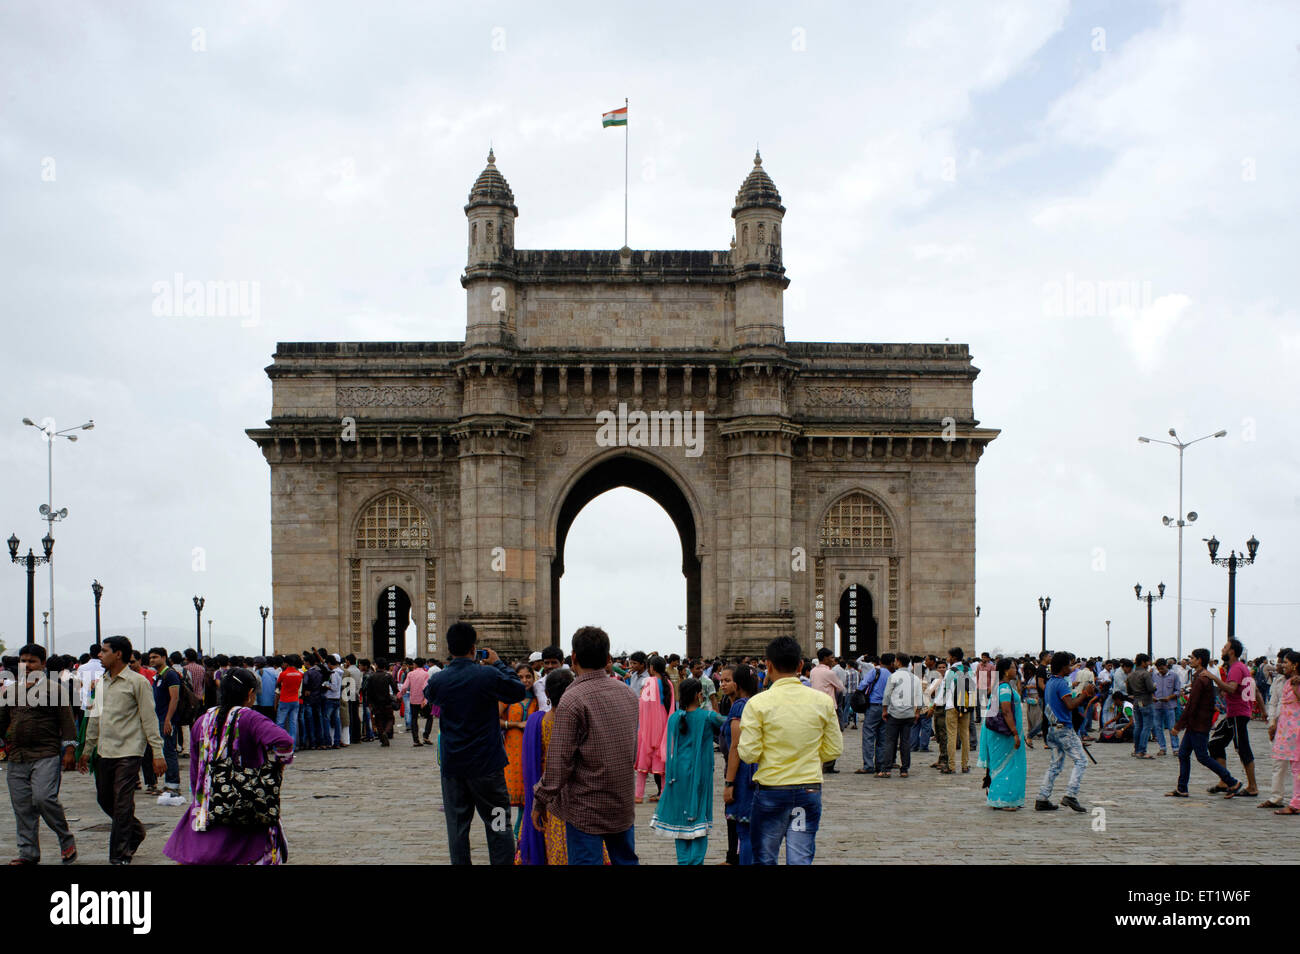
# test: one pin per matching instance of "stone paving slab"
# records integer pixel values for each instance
(332, 799)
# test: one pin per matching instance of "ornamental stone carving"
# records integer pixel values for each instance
(846, 396)
(391, 396)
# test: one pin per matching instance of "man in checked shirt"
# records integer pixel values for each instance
(589, 777)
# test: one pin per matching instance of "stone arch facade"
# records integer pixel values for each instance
(392, 543)
(491, 436)
(659, 479)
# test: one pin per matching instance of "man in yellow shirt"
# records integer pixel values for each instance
(789, 731)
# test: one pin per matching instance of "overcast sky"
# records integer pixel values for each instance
(945, 167)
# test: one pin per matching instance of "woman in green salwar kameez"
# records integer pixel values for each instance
(685, 812)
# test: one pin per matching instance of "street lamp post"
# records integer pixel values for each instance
(1149, 599)
(1181, 522)
(1107, 639)
(30, 563)
(1044, 604)
(47, 509)
(198, 625)
(45, 622)
(265, 611)
(211, 645)
(1213, 609)
(98, 589)
(1232, 561)
(144, 627)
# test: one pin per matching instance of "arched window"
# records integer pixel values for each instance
(857, 520)
(762, 234)
(744, 235)
(392, 523)
(489, 233)
(473, 234)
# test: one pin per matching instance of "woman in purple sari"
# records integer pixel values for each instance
(532, 844)
(255, 738)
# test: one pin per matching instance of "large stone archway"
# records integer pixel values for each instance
(495, 439)
(650, 477)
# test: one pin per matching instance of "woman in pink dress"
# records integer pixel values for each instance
(658, 702)
(1286, 740)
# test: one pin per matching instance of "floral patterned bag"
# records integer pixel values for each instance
(241, 796)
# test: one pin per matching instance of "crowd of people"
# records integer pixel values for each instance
(554, 752)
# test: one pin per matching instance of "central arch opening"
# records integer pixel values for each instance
(640, 475)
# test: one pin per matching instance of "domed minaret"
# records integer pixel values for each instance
(491, 212)
(756, 257)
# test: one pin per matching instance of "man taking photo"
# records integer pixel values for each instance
(473, 755)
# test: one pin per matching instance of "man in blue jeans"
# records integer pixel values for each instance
(589, 779)
(788, 731)
(473, 755)
(873, 719)
(1059, 704)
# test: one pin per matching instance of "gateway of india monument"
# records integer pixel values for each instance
(821, 490)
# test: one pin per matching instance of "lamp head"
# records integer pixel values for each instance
(1173, 433)
(1144, 440)
(1166, 520)
(198, 603)
(72, 437)
(1191, 516)
(1220, 433)
(1252, 545)
(1161, 588)
(44, 510)
(29, 422)
(47, 542)
(97, 588)
(1213, 544)
(1137, 588)
(13, 546)
(89, 425)
(265, 611)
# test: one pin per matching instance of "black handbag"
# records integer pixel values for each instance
(240, 796)
(998, 721)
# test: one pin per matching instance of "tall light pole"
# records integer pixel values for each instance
(210, 635)
(45, 622)
(1181, 522)
(47, 510)
(198, 625)
(1148, 599)
(98, 589)
(1108, 639)
(1212, 612)
(1044, 604)
(144, 627)
(265, 611)
(1232, 562)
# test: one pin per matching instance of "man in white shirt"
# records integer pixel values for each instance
(904, 695)
(552, 659)
(88, 674)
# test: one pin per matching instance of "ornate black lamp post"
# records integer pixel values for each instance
(98, 589)
(265, 611)
(1232, 561)
(1148, 599)
(31, 562)
(198, 625)
(1044, 604)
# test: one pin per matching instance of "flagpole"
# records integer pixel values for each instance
(625, 136)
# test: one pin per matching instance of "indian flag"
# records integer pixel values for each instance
(615, 117)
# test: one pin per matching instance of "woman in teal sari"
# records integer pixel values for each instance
(1003, 754)
(685, 811)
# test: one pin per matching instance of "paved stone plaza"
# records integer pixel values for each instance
(332, 798)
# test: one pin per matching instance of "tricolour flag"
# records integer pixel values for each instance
(615, 117)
